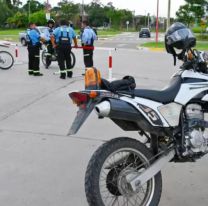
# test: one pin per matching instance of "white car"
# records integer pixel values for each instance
(22, 35)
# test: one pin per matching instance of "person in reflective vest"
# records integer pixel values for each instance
(88, 37)
(48, 32)
(62, 41)
(33, 42)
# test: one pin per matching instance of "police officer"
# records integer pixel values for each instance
(63, 40)
(88, 37)
(47, 36)
(34, 38)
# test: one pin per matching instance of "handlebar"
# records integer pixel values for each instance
(196, 60)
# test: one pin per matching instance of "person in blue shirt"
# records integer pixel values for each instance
(48, 32)
(34, 38)
(63, 36)
(88, 37)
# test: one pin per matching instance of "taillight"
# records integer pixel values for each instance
(79, 98)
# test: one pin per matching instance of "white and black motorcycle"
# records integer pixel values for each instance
(124, 171)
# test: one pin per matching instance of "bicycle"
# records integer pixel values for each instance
(53, 57)
(6, 59)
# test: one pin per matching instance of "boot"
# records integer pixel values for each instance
(37, 74)
(30, 72)
(63, 76)
(69, 74)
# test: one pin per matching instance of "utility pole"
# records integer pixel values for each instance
(82, 10)
(168, 17)
(157, 22)
(148, 20)
(28, 10)
(48, 15)
(145, 19)
(133, 20)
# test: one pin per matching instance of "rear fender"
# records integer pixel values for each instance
(82, 114)
(85, 108)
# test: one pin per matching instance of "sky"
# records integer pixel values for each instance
(141, 7)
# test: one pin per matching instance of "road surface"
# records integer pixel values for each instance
(127, 40)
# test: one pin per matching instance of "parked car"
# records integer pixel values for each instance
(23, 38)
(144, 32)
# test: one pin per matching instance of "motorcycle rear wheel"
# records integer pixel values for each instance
(105, 176)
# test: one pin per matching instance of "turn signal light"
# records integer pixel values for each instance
(93, 94)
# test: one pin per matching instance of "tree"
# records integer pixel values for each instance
(38, 17)
(13, 4)
(192, 11)
(5, 12)
(119, 17)
(185, 15)
(35, 6)
(67, 9)
(20, 20)
(96, 13)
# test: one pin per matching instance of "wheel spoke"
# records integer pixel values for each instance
(113, 188)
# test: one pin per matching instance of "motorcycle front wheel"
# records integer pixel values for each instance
(105, 182)
(46, 62)
(6, 60)
(73, 60)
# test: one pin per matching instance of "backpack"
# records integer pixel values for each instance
(27, 37)
(92, 79)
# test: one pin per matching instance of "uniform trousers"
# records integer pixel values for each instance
(64, 59)
(34, 59)
(88, 57)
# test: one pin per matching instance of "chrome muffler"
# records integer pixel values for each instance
(103, 109)
(117, 109)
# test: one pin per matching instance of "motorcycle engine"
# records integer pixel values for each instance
(196, 139)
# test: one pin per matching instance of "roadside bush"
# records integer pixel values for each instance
(19, 20)
(38, 17)
(202, 37)
(198, 30)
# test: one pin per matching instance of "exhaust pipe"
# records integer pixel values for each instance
(117, 109)
(103, 109)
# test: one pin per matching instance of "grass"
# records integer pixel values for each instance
(13, 34)
(10, 34)
(108, 32)
(200, 45)
(202, 37)
(11, 31)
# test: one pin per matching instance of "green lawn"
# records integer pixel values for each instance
(10, 31)
(13, 34)
(200, 45)
(10, 34)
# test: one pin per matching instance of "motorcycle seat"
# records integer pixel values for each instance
(165, 96)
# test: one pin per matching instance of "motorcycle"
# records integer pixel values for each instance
(52, 56)
(125, 171)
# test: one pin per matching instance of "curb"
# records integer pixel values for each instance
(157, 49)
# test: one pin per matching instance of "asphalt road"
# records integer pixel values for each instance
(127, 40)
(41, 166)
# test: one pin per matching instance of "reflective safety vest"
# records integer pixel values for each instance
(64, 40)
